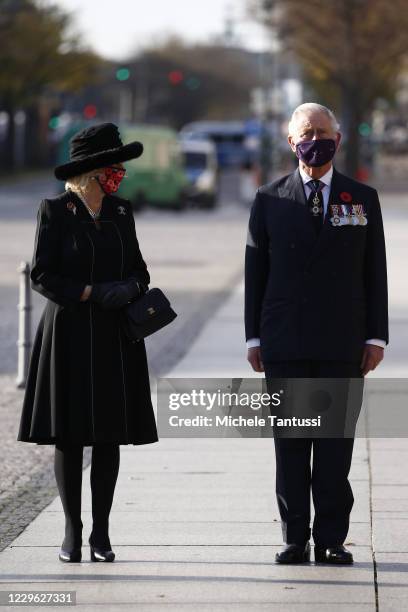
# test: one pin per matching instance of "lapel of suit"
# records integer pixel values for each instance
(76, 207)
(294, 191)
(294, 188)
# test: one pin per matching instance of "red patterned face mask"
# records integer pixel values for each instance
(111, 179)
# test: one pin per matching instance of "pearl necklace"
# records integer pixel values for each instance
(94, 215)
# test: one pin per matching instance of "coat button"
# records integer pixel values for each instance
(304, 300)
(292, 245)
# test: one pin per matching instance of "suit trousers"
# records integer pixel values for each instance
(326, 478)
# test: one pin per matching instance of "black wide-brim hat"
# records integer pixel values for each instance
(96, 147)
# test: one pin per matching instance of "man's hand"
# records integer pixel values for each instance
(372, 356)
(254, 358)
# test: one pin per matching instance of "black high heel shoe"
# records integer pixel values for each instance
(73, 541)
(100, 554)
(74, 556)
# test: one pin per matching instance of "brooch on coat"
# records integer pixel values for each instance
(121, 210)
(71, 206)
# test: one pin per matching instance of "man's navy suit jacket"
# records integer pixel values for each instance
(309, 295)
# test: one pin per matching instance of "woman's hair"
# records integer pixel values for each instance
(80, 182)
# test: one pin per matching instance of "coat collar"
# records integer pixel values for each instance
(75, 205)
(326, 178)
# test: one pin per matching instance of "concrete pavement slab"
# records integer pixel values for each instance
(392, 569)
(195, 588)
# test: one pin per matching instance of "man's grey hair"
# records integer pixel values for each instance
(311, 107)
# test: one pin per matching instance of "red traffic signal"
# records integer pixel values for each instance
(90, 111)
(175, 77)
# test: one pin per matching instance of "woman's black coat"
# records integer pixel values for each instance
(87, 382)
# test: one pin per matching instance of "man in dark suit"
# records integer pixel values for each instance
(315, 306)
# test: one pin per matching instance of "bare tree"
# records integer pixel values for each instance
(352, 52)
(37, 56)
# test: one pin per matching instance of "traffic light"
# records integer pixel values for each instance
(364, 129)
(193, 83)
(122, 74)
(175, 77)
(90, 111)
(53, 123)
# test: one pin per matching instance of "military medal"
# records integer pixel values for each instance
(316, 208)
(359, 214)
(344, 214)
(335, 219)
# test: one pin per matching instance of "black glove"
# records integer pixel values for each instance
(115, 294)
(99, 291)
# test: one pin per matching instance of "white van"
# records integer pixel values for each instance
(201, 168)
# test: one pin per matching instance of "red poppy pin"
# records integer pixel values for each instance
(346, 196)
(71, 206)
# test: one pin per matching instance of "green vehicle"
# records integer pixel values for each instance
(157, 177)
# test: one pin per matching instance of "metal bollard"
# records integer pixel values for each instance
(24, 325)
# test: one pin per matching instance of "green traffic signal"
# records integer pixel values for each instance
(193, 83)
(122, 74)
(364, 129)
(53, 123)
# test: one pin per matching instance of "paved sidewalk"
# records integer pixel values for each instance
(195, 524)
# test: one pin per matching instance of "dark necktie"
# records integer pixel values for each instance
(315, 203)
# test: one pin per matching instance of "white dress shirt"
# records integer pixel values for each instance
(325, 191)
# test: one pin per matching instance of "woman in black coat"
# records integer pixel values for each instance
(88, 385)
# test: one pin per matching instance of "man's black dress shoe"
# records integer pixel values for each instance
(294, 553)
(73, 556)
(333, 554)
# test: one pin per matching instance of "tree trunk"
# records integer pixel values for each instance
(352, 116)
(33, 144)
(352, 149)
(9, 141)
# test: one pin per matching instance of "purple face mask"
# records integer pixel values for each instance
(316, 153)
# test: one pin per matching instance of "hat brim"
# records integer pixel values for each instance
(99, 160)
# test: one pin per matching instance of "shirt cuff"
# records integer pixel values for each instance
(377, 342)
(252, 342)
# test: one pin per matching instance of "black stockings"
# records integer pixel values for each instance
(68, 474)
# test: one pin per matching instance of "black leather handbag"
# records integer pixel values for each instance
(146, 315)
